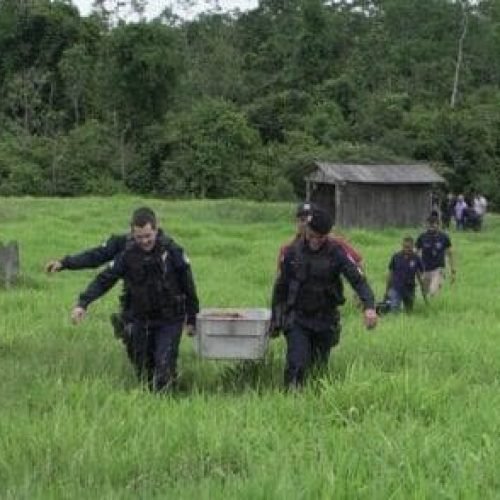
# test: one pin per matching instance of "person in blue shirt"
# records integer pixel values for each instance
(404, 267)
(434, 247)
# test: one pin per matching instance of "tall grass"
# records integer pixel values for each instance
(407, 411)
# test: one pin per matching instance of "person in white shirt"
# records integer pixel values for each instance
(480, 205)
(460, 206)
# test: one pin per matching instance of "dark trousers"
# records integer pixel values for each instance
(153, 349)
(307, 349)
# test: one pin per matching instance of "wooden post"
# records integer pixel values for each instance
(9, 263)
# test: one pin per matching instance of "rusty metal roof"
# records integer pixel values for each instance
(330, 173)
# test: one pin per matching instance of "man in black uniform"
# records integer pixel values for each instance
(306, 295)
(100, 255)
(161, 296)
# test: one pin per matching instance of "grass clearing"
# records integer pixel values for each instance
(408, 411)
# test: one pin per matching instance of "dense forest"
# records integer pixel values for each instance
(237, 104)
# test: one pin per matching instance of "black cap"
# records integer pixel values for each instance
(320, 221)
(304, 209)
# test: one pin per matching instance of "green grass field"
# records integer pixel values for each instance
(410, 410)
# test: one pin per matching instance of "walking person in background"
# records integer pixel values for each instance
(434, 248)
(448, 210)
(404, 267)
(480, 206)
(435, 204)
(460, 207)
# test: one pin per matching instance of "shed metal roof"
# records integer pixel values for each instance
(330, 173)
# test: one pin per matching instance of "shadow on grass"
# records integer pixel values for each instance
(215, 377)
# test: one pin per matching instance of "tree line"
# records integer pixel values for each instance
(238, 104)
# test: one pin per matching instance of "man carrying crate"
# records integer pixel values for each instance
(94, 257)
(161, 294)
(306, 296)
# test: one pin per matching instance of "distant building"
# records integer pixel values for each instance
(373, 195)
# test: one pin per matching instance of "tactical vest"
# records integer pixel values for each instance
(152, 284)
(315, 287)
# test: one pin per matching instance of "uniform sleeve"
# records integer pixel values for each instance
(418, 243)
(280, 291)
(349, 250)
(392, 263)
(281, 256)
(280, 288)
(355, 278)
(186, 282)
(97, 256)
(103, 282)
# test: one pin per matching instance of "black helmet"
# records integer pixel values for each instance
(320, 221)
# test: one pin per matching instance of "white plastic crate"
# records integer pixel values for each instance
(232, 333)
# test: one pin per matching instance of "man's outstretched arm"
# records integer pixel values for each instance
(91, 258)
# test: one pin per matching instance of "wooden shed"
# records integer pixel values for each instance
(373, 195)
